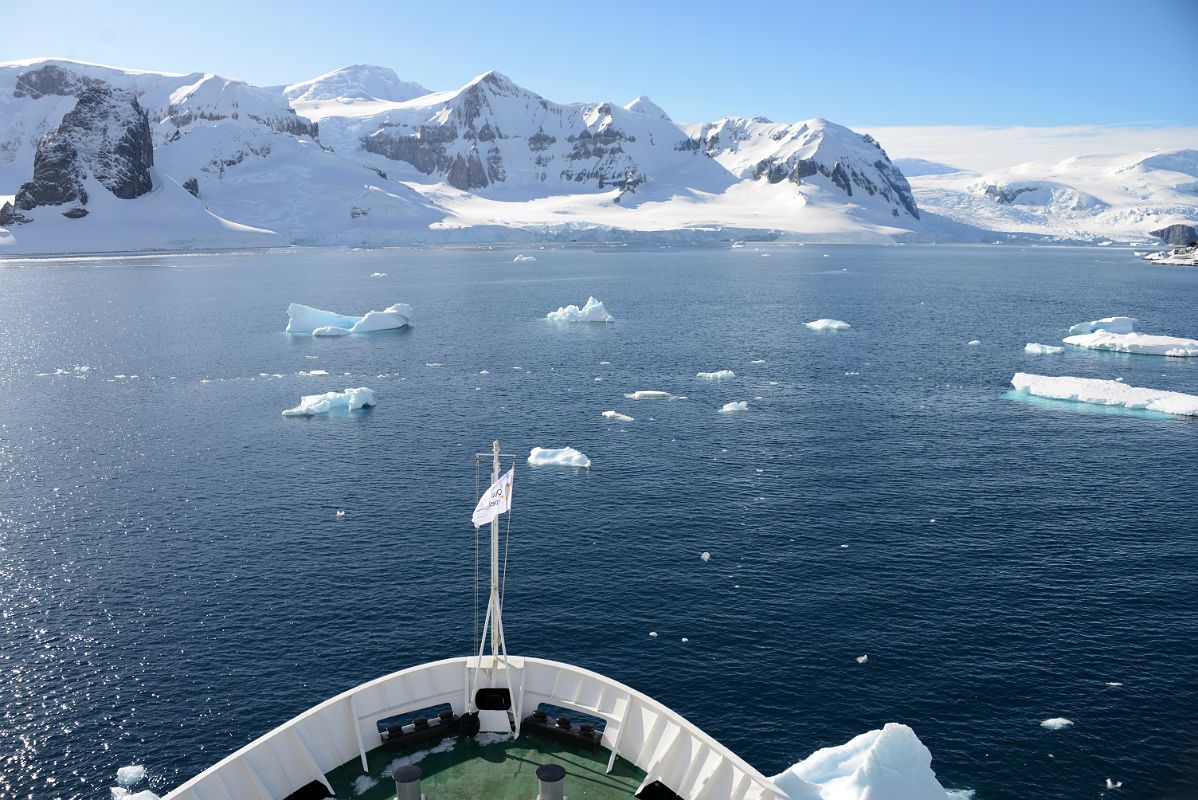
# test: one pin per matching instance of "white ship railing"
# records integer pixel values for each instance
(638, 728)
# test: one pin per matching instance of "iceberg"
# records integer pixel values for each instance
(1111, 324)
(974, 342)
(305, 319)
(1042, 349)
(647, 394)
(886, 764)
(718, 375)
(562, 456)
(1056, 723)
(1141, 343)
(1107, 393)
(616, 415)
(349, 400)
(734, 406)
(828, 325)
(593, 311)
(378, 274)
(130, 776)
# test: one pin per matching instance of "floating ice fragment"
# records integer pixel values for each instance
(644, 394)
(348, 400)
(718, 375)
(684, 639)
(313, 373)
(377, 275)
(1109, 324)
(734, 406)
(1042, 349)
(973, 342)
(305, 319)
(828, 325)
(131, 775)
(844, 547)
(653, 634)
(593, 311)
(484, 372)
(598, 379)
(757, 361)
(1141, 343)
(1056, 723)
(862, 659)
(1108, 393)
(1114, 683)
(604, 363)
(314, 358)
(1110, 784)
(432, 363)
(562, 456)
(706, 556)
(520, 259)
(616, 415)
(340, 514)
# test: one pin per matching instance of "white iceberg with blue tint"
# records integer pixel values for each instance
(616, 415)
(306, 319)
(593, 311)
(886, 764)
(1106, 393)
(349, 400)
(1042, 349)
(648, 394)
(828, 325)
(561, 457)
(718, 375)
(734, 407)
(1111, 324)
(130, 776)
(1142, 343)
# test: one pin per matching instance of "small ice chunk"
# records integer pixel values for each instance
(131, 775)
(340, 514)
(1113, 683)
(653, 634)
(645, 394)
(1141, 343)
(734, 406)
(973, 342)
(616, 415)
(1042, 349)
(593, 311)
(684, 639)
(313, 373)
(349, 400)
(862, 659)
(1056, 723)
(604, 363)
(561, 456)
(1109, 324)
(718, 375)
(306, 319)
(432, 363)
(521, 259)
(598, 379)
(1110, 784)
(377, 275)
(706, 556)
(484, 372)
(828, 325)
(1107, 393)
(757, 361)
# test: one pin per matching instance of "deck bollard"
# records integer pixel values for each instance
(552, 778)
(407, 782)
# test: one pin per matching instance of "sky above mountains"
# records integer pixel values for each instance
(867, 63)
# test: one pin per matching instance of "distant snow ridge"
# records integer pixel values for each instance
(593, 311)
(349, 400)
(562, 457)
(357, 82)
(828, 325)
(1106, 393)
(718, 375)
(886, 764)
(643, 105)
(306, 319)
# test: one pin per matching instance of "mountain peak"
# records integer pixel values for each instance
(355, 82)
(643, 105)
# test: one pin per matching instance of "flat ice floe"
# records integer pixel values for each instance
(886, 764)
(734, 407)
(349, 400)
(561, 456)
(718, 375)
(828, 325)
(1106, 393)
(306, 319)
(1056, 723)
(593, 311)
(1042, 349)
(648, 394)
(616, 415)
(1111, 324)
(1142, 343)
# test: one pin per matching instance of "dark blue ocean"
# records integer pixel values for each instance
(174, 580)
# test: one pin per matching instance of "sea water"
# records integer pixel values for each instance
(175, 579)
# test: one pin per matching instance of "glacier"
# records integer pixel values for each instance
(562, 456)
(314, 321)
(349, 400)
(1141, 343)
(1105, 392)
(591, 311)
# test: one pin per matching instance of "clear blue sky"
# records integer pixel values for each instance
(1038, 62)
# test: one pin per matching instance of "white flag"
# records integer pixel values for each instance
(495, 500)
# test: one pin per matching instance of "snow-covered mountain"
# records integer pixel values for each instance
(358, 155)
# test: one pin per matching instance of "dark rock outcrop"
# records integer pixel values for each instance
(51, 79)
(1177, 234)
(107, 137)
(192, 185)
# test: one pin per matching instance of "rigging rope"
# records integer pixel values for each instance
(476, 491)
(507, 541)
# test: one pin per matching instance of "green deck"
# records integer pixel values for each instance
(504, 770)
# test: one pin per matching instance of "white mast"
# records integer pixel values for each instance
(493, 607)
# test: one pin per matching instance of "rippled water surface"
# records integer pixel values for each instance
(174, 580)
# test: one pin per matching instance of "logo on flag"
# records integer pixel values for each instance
(495, 500)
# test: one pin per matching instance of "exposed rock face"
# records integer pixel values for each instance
(106, 136)
(51, 79)
(1177, 234)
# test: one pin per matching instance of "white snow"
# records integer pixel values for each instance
(593, 311)
(616, 415)
(1104, 392)
(734, 406)
(131, 775)
(718, 375)
(1178, 256)
(886, 764)
(828, 325)
(1142, 343)
(1056, 723)
(306, 319)
(349, 400)
(1109, 324)
(648, 394)
(522, 259)
(1042, 349)
(562, 456)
